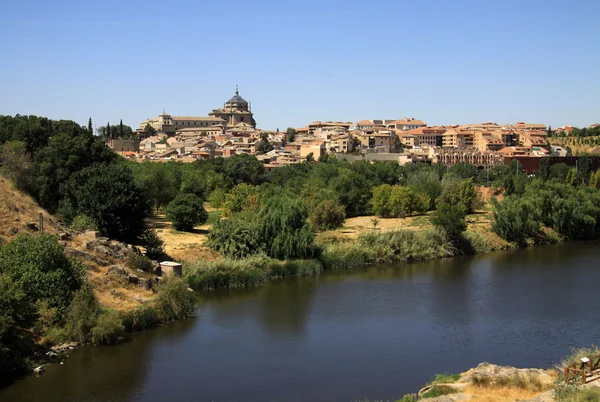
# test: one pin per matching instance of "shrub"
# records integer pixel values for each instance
(236, 237)
(174, 300)
(451, 219)
(439, 390)
(153, 243)
(408, 398)
(82, 223)
(445, 378)
(137, 261)
(139, 319)
(327, 215)
(227, 273)
(83, 314)
(186, 211)
(407, 245)
(515, 219)
(108, 330)
(344, 256)
(42, 271)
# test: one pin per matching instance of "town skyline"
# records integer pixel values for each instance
(461, 62)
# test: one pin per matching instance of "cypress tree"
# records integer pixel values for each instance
(108, 130)
(90, 129)
(121, 129)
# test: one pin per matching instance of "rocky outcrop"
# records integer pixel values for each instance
(491, 374)
(111, 248)
(75, 253)
(118, 271)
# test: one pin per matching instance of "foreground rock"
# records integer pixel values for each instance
(476, 382)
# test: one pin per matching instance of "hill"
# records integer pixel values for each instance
(19, 213)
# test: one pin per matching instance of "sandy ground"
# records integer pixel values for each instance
(183, 246)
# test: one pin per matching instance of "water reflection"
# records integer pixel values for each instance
(98, 373)
(377, 332)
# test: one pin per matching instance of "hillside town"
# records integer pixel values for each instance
(232, 129)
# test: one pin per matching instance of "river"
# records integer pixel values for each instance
(377, 332)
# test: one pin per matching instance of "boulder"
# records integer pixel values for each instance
(145, 283)
(64, 236)
(32, 226)
(117, 271)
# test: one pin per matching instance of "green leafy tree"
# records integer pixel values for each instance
(109, 195)
(216, 199)
(38, 265)
(327, 215)
(17, 313)
(241, 197)
(153, 243)
(451, 219)
(381, 201)
(90, 128)
(186, 211)
(595, 179)
(291, 134)
(109, 134)
(68, 152)
(82, 316)
(149, 131)
(515, 219)
(16, 165)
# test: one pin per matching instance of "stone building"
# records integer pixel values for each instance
(236, 112)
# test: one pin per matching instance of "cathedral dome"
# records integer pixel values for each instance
(237, 98)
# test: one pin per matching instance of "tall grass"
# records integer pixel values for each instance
(407, 245)
(250, 272)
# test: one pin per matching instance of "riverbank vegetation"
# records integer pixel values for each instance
(45, 299)
(290, 221)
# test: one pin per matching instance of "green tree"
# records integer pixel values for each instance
(67, 152)
(216, 199)
(153, 243)
(38, 265)
(90, 128)
(186, 211)
(595, 179)
(82, 316)
(381, 201)
(327, 215)
(571, 178)
(291, 134)
(451, 219)
(16, 165)
(109, 195)
(108, 131)
(121, 132)
(149, 131)
(241, 197)
(515, 219)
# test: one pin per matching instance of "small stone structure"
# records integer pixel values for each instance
(171, 268)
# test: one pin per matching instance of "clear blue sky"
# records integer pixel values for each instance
(444, 62)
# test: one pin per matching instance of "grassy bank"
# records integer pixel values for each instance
(403, 245)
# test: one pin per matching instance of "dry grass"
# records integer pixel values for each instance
(17, 209)
(183, 246)
(508, 388)
(490, 394)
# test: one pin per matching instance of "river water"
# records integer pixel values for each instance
(378, 332)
